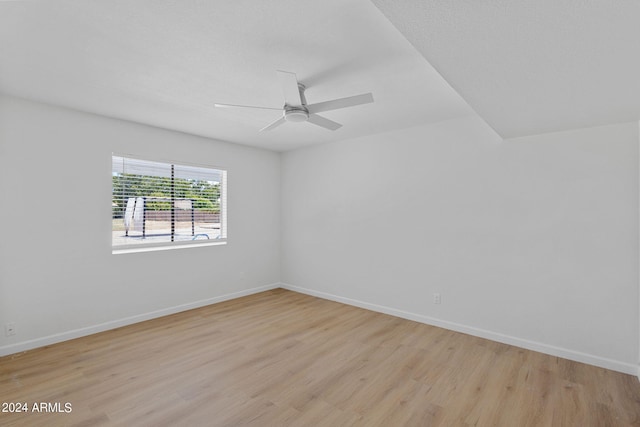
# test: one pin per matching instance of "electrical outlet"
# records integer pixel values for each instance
(10, 329)
(436, 298)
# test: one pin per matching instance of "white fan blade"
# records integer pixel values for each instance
(244, 106)
(290, 90)
(336, 104)
(273, 125)
(323, 122)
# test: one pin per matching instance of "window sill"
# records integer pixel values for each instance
(164, 247)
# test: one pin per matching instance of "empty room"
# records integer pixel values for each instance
(319, 213)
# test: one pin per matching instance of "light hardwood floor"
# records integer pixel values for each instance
(282, 358)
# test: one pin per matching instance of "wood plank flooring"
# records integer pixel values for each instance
(280, 358)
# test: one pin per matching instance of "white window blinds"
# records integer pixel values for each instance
(158, 204)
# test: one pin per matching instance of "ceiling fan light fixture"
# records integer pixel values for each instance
(296, 110)
(296, 115)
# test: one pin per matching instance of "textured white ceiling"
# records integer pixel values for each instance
(165, 63)
(532, 66)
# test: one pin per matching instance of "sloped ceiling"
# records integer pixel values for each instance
(166, 62)
(526, 67)
(532, 66)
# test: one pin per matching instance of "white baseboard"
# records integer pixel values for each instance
(81, 332)
(552, 350)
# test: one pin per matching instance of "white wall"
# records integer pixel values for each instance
(58, 278)
(531, 241)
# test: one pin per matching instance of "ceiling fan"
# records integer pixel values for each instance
(296, 109)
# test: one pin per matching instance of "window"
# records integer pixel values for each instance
(159, 205)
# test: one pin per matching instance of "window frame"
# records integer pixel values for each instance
(179, 244)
